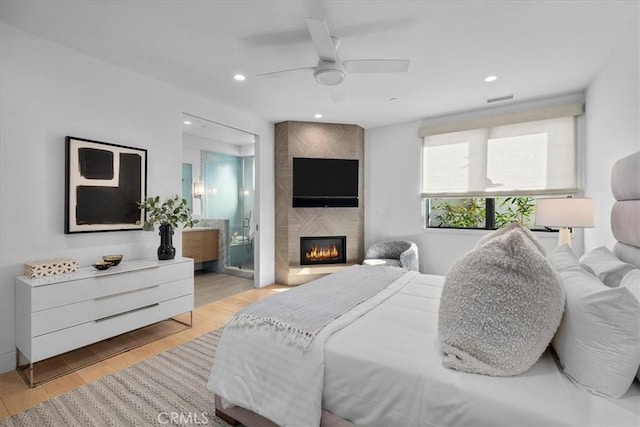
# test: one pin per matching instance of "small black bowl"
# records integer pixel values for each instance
(102, 265)
(112, 259)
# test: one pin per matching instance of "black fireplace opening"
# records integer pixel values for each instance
(323, 250)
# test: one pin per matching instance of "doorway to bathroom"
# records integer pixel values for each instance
(218, 179)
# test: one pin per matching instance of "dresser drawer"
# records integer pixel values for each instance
(61, 313)
(102, 285)
(61, 341)
(53, 319)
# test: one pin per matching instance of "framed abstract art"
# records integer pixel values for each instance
(104, 183)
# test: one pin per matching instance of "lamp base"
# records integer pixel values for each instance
(564, 237)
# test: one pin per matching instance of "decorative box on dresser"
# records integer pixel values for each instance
(200, 243)
(57, 314)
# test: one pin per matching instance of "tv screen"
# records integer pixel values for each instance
(325, 178)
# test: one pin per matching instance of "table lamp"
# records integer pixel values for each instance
(566, 213)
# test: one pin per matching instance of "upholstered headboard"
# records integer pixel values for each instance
(625, 215)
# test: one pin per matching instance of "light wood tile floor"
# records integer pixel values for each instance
(211, 287)
(217, 298)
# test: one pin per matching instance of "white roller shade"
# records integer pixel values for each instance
(529, 158)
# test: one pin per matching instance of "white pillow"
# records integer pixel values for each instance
(606, 265)
(563, 258)
(598, 341)
(631, 281)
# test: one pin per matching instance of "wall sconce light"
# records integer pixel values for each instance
(198, 189)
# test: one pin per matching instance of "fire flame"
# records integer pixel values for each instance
(318, 253)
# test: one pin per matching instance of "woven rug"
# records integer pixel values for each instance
(166, 389)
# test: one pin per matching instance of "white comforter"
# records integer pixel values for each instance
(261, 369)
(379, 365)
(385, 369)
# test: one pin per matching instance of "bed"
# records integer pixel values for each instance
(380, 363)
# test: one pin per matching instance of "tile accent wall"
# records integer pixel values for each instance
(322, 140)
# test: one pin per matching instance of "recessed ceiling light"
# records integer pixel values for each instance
(318, 116)
(187, 122)
(489, 79)
(239, 77)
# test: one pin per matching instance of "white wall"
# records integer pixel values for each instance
(613, 129)
(192, 156)
(48, 92)
(394, 208)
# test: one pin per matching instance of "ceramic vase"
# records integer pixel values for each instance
(166, 249)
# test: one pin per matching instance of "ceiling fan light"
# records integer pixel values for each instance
(329, 76)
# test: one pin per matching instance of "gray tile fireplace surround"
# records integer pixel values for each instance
(314, 140)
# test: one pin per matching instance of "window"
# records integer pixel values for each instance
(489, 175)
(485, 213)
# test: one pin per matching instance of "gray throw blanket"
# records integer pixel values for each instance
(301, 312)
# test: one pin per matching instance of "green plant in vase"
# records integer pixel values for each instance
(168, 214)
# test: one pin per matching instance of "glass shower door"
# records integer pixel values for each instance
(229, 192)
(241, 243)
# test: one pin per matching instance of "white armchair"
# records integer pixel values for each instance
(401, 253)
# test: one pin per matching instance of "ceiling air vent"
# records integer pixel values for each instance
(500, 98)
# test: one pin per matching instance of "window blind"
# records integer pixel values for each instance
(535, 157)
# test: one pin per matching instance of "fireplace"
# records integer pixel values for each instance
(323, 250)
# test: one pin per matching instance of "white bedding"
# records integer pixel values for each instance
(273, 377)
(385, 369)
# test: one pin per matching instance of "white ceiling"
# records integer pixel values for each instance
(536, 48)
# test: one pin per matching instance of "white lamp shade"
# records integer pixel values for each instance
(565, 212)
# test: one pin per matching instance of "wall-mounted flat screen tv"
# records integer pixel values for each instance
(321, 182)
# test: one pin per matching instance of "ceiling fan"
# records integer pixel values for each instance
(330, 69)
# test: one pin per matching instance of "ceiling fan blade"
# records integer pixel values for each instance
(321, 39)
(281, 72)
(338, 93)
(376, 65)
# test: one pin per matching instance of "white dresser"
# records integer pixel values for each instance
(60, 313)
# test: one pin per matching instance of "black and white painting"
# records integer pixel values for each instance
(104, 183)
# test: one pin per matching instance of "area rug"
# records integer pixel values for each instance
(166, 389)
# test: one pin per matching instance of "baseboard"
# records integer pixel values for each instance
(7, 362)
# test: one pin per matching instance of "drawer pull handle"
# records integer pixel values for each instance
(107, 273)
(125, 292)
(102, 319)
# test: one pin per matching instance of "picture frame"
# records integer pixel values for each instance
(104, 183)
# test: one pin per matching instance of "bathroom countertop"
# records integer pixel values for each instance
(186, 230)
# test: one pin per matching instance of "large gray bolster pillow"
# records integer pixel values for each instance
(501, 305)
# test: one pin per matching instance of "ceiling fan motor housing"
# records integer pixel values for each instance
(329, 73)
